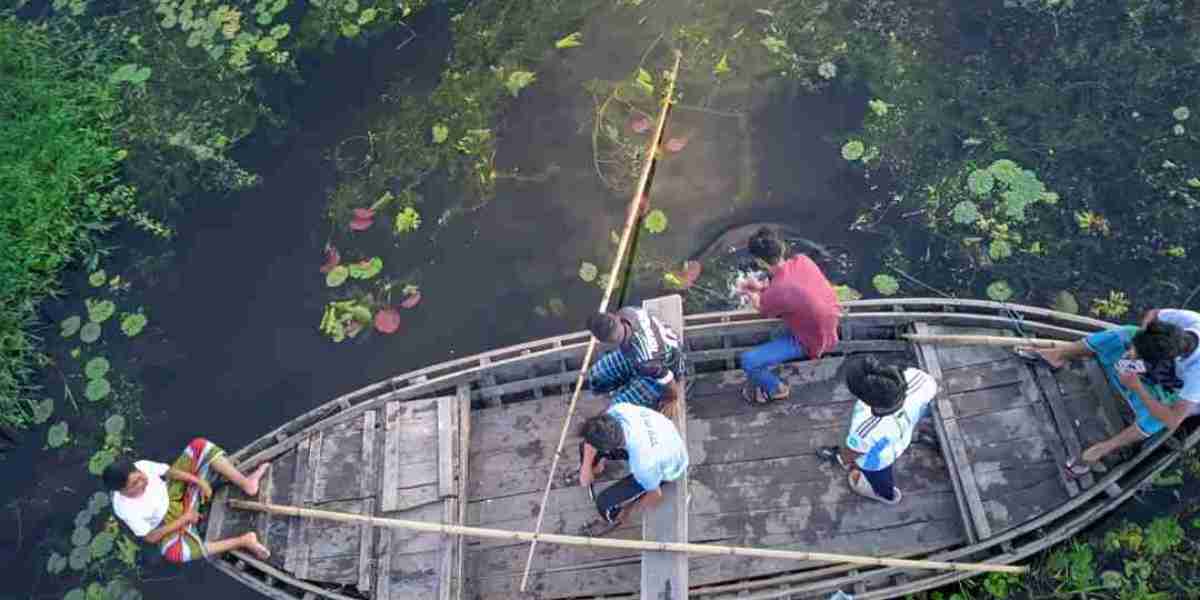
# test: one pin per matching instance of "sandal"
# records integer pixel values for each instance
(754, 396)
(1076, 468)
(831, 454)
(598, 527)
(1034, 358)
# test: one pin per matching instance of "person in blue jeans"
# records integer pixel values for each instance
(1156, 368)
(800, 294)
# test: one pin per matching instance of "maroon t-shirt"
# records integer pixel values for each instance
(800, 294)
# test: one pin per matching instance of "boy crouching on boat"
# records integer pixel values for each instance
(165, 512)
(891, 402)
(646, 365)
(1155, 367)
(654, 449)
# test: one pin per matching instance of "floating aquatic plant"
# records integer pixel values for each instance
(42, 410)
(96, 367)
(366, 269)
(408, 220)
(97, 389)
(999, 250)
(853, 150)
(1114, 306)
(363, 219)
(412, 297)
(102, 544)
(676, 144)
(98, 278)
(81, 536)
(337, 276)
(133, 323)
(846, 293)
(980, 182)
(387, 320)
(1065, 301)
(333, 258)
(56, 564)
(132, 73)
(344, 318)
(827, 70)
(722, 66)
(89, 333)
(1181, 113)
(879, 107)
(70, 325)
(440, 133)
(885, 284)
(100, 311)
(101, 460)
(78, 560)
(640, 124)
(571, 41)
(999, 291)
(519, 80)
(644, 81)
(965, 213)
(114, 425)
(656, 221)
(588, 272)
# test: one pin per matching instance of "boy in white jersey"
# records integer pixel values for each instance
(892, 401)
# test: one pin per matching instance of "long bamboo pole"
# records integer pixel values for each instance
(986, 340)
(631, 218)
(641, 545)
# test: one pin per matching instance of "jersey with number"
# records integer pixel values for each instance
(653, 348)
(882, 439)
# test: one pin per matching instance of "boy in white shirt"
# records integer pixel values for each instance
(166, 512)
(891, 403)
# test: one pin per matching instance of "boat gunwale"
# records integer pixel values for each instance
(1077, 512)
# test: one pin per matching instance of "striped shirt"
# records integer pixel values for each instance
(881, 440)
(653, 348)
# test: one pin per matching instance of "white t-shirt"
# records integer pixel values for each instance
(881, 440)
(1187, 367)
(146, 512)
(656, 450)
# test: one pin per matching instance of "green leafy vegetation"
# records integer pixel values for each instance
(885, 284)
(655, 221)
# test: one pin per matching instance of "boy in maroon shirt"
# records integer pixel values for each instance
(798, 293)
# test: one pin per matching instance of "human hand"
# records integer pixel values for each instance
(205, 489)
(1130, 380)
(191, 517)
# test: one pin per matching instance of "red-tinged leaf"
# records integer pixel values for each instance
(640, 124)
(644, 205)
(676, 144)
(411, 300)
(364, 213)
(361, 224)
(387, 320)
(332, 258)
(353, 328)
(691, 272)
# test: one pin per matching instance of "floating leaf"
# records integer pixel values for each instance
(1181, 113)
(70, 325)
(571, 41)
(366, 269)
(846, 293)
(775, 45)
(644, 81)
(56, 564)
(411, 300)
(656, 221)
(980, 182)
(101, 461)
(722, 66)
(1005, 170)
(96, 368)
(672, 281)
(337, 276)
(76, 593)
(81, 536)
(84, 517)
(588, 272)
(114, 425)
(99, 312)
(133, 324)
(640, 124)
(676, 144)
(1194, 182)
(97, 389)
(130, 73)
(89, 333)
(885, 284)
(42, 410)
(367, 16)
(58, 435)
(965, 213)
(98, 278)
(333, 258)
(999, 291)
(440, 133)
(363, 219)
(879, 107)
(102, 544)
(1049, 197)
(387, 320)
(853, 150)
(519, 80)
(98, 502)
(999, 250)
(79, 559)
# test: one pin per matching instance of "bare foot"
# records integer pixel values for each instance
(251, 487)
(253, 545)
(1053, 358)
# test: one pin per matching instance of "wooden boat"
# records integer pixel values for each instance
(470, 441)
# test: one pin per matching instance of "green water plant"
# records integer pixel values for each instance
(97, 389)
(885, 284)
(337, 276)
(96, 368)
(1000, 291)
(344, 319)
(365, 269)
(42, 410)
(573, 40)
(98, 278)
(655, 221)
(1163, 535)
(90, 332)
(408, 220)
(100, 311)
(70, 325)
(1113, 306)
(58, 435)
(132, 324)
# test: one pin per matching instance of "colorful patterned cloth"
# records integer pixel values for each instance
(1110, 346)
(187, 544)
(615, 373)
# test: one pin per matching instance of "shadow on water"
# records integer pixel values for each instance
(242, 298)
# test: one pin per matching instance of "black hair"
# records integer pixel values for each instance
(880, 387)
(1159, 341)
(116, 475)
(603, 432)
(765, 244)
(604, 326)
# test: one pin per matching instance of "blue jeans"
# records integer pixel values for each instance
(757, 362)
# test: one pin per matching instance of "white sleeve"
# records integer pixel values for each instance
(1185, 319)
(152, 468)
(922, 387)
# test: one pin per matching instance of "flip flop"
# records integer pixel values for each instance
(598, 527)
(754, 396)
(1076, 468)
(1033, 358)
(831, 454)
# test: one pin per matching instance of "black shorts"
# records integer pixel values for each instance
(617, 496)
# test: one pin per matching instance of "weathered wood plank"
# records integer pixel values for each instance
(306, 525)
(982, 376)
(216, 516)
(951, 439)
(988, 401)
(298, 497)
(464, 453)
(390, 499)
(283, 476)
(1063, 441)
(338, 474)
(334, 548)
(367, 489)
(446, 439)
(1110, 404)
(410, 470)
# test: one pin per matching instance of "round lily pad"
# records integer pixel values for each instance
(102, 544)
(89, 333)
(980, 182)
(965, 213)
(58, 435)
(84, 517)
(81, 536)
(133, 324)
(999, 250)
(101, 461)
(366, 269)
(76, 593)
(853, 150)
(114, 425)
(43, 410)
(99, 312)
(79, 558)
(98, 278)
(1005, 170)
(96, 368)
(97, 389)
(885, 284)
(1181, 113)
(99, 501)
(70, 325)
(999, 291)
(56, 564)
(588, 272)
(656, 221)
(337, 276)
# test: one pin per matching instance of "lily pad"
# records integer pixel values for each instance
(76, 593)
(411, 300)
(81, 536)
(387, 320)
(337, 276)
(102, 544)
(588, 272)
(79, 558)
(1005, 170)
(100, 311)
(363, 219)
(999, 291)
(96, 368)
(1065, 301)
(89, 333)
(440, 133)
(571, 41)
(980, 182)
(70, 325)
(885, 284)
(846, 293)
(519, 80)
(114, 425)
(101, 461)
(366, 269)
(98, 502)
(133, 324)
(58, 435)
(56, 564)
(655, 221)
(98, 278)
(84, 517)
(999, 250)
(853, 150)
(43, 410)
(97, 389)
(965, 213)
(1181, 113)
(676, 144)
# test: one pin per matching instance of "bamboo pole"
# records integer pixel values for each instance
(631, 220)
(986, 340)
(641, 545)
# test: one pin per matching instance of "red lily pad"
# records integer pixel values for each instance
(363, 219)
(676, 144)
(640, 124)
(411, 300)
(691, 272)
(644, 204)
(387, 320)
(332, 258)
